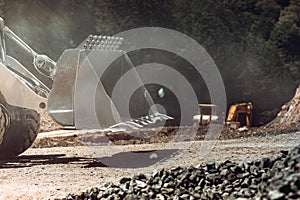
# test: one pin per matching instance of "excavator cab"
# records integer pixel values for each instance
(240, 115)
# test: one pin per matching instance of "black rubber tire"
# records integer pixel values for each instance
(21, 132)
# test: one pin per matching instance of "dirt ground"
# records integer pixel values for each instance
(61, 162)
(54, 171)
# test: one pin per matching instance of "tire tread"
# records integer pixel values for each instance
(23, 129)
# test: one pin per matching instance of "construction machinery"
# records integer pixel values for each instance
(240, 115)
(206, 114)
(81, 95)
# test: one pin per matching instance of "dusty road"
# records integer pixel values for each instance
(46, 173)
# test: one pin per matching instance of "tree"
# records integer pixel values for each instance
(286, 35)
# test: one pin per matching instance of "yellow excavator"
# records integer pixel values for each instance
(240, 115)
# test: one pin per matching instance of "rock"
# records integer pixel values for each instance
(131, 197)
(140, 184)
(160, 197)
(245, 183)
(243, 129)
(140, 177)
(166, 190)
(285, 188)
(276, 195)
(284, 152)
(184, 196)
(231, 177)
(210, 165)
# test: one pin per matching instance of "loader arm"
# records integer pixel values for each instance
(232, 113)
(17, 84)
(42, 63)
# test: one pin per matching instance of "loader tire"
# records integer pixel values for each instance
(19, 127)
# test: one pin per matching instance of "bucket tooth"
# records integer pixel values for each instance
(141, 122)
(110, 43)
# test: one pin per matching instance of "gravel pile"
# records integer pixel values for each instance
(269, 178)
(289, 113)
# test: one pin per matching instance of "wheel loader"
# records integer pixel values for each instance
(77, 98)
(206, 114)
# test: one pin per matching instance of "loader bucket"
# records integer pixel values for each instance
(93, 85)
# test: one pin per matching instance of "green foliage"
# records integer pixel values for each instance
(268, 12)
(114, 16)
(2, 4)
(264, 55)
(286, 34)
